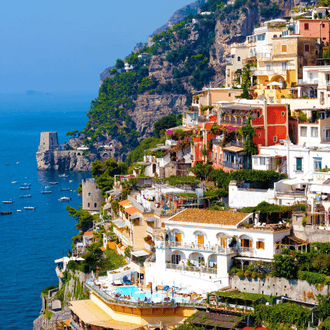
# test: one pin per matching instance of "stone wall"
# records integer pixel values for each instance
(91, 195)
(294, 289)
(312, 234)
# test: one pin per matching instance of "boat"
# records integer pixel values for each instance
(25, 196)
(24, 188)
(64, 199)
(18, 162)
(7, 202)
(26, 184)
(6, 213)
(70, 181)
(46, 192)
(14, 182)
(65, 189)
(46, 187)
(19, 210)
(63, 176)
(29, 208)
(53, 183)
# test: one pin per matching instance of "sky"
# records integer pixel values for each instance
(63, 46)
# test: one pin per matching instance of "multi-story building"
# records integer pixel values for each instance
(200, 246)
(281, 70)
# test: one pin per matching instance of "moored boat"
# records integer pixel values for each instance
(46, 192)
(53, 183)
(6, 213)
(25, 196)
(29, 208)
(64, 199)
(7, 202)
(24, 188)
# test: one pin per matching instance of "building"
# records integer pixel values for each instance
(314, 28)
(91, 195)
(48, 141)
(200, 246)
(281, 70)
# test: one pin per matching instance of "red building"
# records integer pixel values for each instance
(314, 28)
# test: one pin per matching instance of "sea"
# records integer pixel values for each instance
(32, 239)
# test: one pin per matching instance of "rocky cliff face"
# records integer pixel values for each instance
(64, 161)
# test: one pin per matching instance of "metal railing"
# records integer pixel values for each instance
(125, 302)
(195, 247)
(232, 165)
(200, 269)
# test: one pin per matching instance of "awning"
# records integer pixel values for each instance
(233, 149)
(140, 253)
(92, 314)
(322, 188)
(136, 216)
(151, 219)
(119, 223)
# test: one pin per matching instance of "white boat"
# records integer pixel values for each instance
(46, 192)
(18, 162)
(7, 202)
(24, 188)
(25, 196)
(70, 181)
(63, 176)
(29, 208)
(19, 210)
(64, 199)
(14, 182)
(53, 183)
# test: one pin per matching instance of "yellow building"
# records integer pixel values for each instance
(283, 68)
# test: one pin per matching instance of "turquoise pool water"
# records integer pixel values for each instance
(136, 294)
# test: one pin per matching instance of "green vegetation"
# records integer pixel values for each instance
(47, 288)
(166, 122)
(180, 180)
(84, 220)
(103, 173)
(246, 82)
(287, 314)
(242, 298)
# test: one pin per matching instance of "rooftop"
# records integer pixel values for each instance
(124, 202)
(131, 210)
(227, 218)
(88, 233)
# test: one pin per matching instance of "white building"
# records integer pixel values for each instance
(200, 245)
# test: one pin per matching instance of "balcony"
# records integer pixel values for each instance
(195, 247)
(150, 230)
(233, 166)
(201, 269)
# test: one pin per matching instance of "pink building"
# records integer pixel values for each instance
(314, 28)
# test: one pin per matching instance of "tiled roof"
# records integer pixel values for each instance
(227, 218)
(88, 233)
(131, 210)
(124, 203)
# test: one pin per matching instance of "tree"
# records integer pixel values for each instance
(285, 266)
(246, 82)
(166, 122)
(248, 133)
(72, 133)
(84, 218)
(119, 64)
(202, 171)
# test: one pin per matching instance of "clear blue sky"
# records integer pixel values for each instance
(64, 45)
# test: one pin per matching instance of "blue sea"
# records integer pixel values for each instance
(32, 239)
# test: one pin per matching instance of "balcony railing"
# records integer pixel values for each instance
(201, 269)
(233, 165)
(125, 302)
(195, 247)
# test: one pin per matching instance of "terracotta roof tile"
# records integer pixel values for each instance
(124, 203)
(131, 210)
(227, 218)
(88, 233)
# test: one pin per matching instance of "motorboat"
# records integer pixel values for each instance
(24, 187)
(29, 208)
(65, 189)
(70, 181)
(6, 213)
(14, 182)
(63, 175)
(19, 210)
(46, 192)
(25, 196)
(53, 183)
(7, 202)
(64, 199)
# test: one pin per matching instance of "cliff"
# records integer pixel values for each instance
(180, 61)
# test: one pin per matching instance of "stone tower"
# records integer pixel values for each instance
(91, 196)
(48, 141)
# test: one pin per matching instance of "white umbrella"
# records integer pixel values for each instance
(140, 292)
(274, 83)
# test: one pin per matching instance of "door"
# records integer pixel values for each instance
(200, 239)
(178, 237)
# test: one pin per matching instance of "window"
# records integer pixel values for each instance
(255, 161)
(275, 138)
(303, 131)
(238, 59)
(306, 48)
(323, 25)
(89, 204)
(262, 160)
(268, 67)
(176, 258)
(259, 134)
(229, 94)
(306, 26)
(246, 243)
(89, 194)
(327, 135)
(178, 237)
(95, 204)
(283, 113)
(284, 65)
(314, 132)
(317, 163)
(261, 37)
(322, 97)
(284, 48)
(299, 164)
(327, 78)
(260, 245)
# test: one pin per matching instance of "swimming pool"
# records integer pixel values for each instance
(138, 294)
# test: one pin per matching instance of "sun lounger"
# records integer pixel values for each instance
(117, 282)
(166, 288)
(126, 280)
